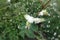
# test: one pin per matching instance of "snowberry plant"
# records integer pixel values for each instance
(29, 20)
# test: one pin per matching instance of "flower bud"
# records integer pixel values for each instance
(43, 12)
(38, 20)
(29, 18)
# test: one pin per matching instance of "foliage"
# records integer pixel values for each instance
(12, 21)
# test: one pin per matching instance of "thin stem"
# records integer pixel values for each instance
(46, 4)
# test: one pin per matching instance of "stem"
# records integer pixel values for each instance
(46, 4)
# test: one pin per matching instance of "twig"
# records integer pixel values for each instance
(45, 5)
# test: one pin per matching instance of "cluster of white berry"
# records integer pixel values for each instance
(31, 19)
(43, 12)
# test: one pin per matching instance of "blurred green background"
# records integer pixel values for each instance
(12, 21)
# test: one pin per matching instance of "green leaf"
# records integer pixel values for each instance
(30, 34)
